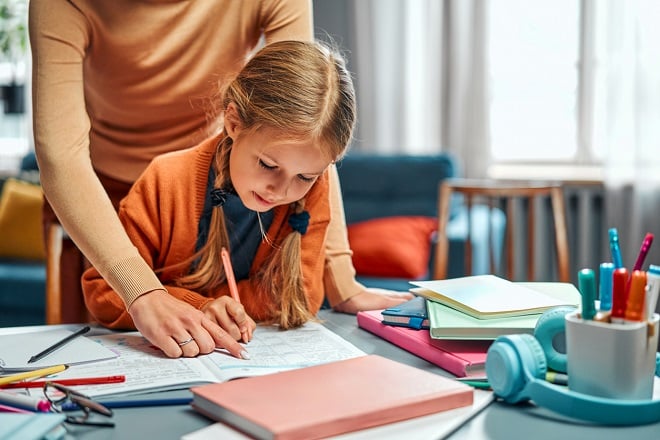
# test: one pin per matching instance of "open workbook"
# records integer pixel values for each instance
(147, 369)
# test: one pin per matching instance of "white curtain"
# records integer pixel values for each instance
(420, 75)
(628, 120)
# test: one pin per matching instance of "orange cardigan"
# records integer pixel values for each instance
(161, 214)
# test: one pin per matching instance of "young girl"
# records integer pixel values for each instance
(259, 188)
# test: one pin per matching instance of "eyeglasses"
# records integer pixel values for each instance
(60, 396)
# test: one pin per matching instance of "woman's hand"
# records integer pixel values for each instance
(373, 298)
(230, 315)
(169, 324)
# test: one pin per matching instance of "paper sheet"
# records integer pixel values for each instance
(147, 369)
(16, 349)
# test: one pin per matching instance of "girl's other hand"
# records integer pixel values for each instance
(373, 298)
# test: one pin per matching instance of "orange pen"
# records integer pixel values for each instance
(636, 297)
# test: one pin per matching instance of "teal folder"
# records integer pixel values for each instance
(34, 426)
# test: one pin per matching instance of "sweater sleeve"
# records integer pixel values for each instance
(339, 279)
(59, 35)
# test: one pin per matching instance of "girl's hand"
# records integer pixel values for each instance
(230, 315)
(373, 298)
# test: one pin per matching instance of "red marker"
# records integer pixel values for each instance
(636, 297)
(81, 381)
(619, 294)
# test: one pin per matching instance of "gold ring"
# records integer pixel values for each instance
(187, 341)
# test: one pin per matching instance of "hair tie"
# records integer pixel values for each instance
(218, 197)
(299, 222)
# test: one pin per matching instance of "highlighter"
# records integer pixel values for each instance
(587, 287)
(652, 289)
(614, 248)
(605, 286)
(636, 297)
(619, 296)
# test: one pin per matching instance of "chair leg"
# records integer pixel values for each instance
(53, 274)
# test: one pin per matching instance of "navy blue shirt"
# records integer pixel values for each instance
(242, 227)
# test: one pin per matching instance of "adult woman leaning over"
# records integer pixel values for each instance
(116, 84)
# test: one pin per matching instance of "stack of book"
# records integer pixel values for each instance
(451, 323)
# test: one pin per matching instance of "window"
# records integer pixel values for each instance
(533, 58)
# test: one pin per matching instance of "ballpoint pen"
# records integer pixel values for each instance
(58, 344)
(134, 403)
(68, 382)
(643, 251)
(614, 248)
(33, 374)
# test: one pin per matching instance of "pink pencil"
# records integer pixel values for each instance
(233, 289)
(229, 272)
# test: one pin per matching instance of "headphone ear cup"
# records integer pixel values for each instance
(512, 362)
(550, 332)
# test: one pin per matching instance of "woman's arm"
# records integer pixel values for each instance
(344, 292)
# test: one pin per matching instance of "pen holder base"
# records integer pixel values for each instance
(611, 360)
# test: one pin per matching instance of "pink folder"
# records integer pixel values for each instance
(462, 358)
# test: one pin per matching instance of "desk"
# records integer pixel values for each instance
(499, 421)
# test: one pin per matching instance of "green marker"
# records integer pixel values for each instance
(587, 287)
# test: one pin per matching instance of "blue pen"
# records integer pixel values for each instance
(587, 287)
(70, 406)
(614, 248)
(605, 287)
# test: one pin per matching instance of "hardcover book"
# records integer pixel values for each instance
(488, 296)
(329, 399)
(461, 358)
(411, 314)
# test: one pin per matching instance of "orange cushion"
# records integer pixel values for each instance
(393, 247)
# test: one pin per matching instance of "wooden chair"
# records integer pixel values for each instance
(518, 201)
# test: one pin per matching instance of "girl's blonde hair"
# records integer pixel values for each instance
(302, 89)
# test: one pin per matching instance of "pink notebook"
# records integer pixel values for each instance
(329, 399)
(460, 357)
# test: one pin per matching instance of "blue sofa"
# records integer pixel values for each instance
(380, 186)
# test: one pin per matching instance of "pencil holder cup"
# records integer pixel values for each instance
(611, 360)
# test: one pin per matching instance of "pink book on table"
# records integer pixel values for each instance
(460, 357)
(329, 399)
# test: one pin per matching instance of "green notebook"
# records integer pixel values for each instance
(448, 323)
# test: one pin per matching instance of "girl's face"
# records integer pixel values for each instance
(268, 170)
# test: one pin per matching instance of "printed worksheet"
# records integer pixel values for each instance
(147, 369)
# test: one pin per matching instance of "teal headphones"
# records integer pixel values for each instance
(516, 366)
